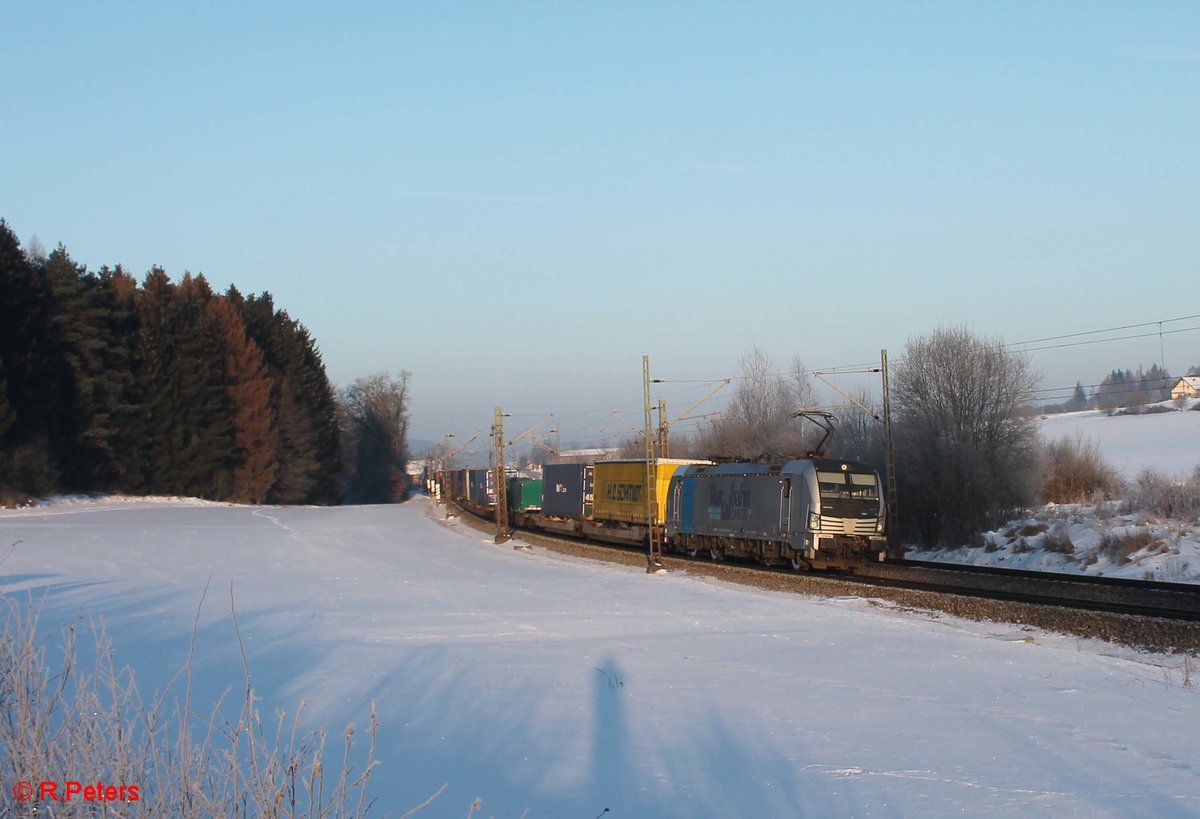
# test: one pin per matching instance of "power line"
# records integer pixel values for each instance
(872, 367)
(1108, 330)
(1102, 340)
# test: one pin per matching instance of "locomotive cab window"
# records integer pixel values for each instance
(842, 485)
(863, 486)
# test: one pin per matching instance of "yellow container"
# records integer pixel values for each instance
(620, 489)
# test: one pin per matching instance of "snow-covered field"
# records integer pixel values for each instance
(1167, 442)
(566, 687)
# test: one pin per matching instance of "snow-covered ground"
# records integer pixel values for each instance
(1078, 540)
(566, 687)
(1074, 540)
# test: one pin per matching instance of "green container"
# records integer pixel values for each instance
(524, 495)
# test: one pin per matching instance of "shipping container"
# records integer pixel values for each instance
(481, 487)
(456, 485)
(524, 495)
(620, 489)
(567, 491)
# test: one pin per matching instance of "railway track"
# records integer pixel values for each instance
(1172, 601)
(1153, 615)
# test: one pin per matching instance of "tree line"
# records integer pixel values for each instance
(965, 437)
(108, 384)
(965, 442)
(1129, 389)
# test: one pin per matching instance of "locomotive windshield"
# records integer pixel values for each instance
(847, 486)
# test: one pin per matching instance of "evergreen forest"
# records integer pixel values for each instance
(108, 384)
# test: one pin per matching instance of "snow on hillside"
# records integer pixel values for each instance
(1104, 542)
(567, 687)
(1167, 442)
(1074, 540)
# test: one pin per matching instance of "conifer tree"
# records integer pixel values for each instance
(151, 467)
(299, 468)
(208, 454)
(248, 385)
(1078, 400)
(306, 411)
(158, 388)
(189, 446)
(128, 414)
(322, 409)
(7, 416)
(84, 309)
(38, 386)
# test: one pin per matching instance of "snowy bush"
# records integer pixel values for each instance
(1075, 472)
(1166, 498)
(1058, 538)
(1120, 545)
(26, 472)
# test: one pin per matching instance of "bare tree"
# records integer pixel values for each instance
(965, 451)
(632, 447)
(758, 424)
(858, 435)
(376, 418)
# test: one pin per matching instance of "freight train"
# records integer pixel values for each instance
(809, 513)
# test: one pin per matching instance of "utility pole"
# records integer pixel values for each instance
(889, 457)
(664, 427)
(442, 497)
(654, 545)
(446, 455)
(893, 515)
(503, 533)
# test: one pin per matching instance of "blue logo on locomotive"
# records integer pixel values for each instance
(732, 506)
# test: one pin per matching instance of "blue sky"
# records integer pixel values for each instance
(517, 201)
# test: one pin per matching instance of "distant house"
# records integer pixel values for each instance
(1188, 387)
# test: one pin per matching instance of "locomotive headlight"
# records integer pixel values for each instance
(879, 526)
(814, 521)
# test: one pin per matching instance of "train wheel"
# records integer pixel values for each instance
(716, 553)
(801, 565)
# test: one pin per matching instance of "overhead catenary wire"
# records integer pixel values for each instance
(690, 385)
(1106, 330)
(1104, 340)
